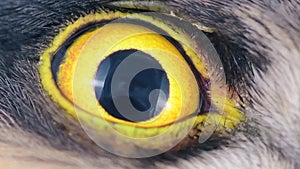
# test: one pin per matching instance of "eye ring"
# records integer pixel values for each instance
(128, 133)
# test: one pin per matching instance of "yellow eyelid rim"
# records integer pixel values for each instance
(49, 84)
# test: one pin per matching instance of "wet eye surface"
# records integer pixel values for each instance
(139, 84)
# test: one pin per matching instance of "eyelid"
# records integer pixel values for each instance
(196, 41)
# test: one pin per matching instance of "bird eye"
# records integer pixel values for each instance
(139, 84)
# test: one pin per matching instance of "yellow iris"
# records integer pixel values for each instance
(69, 73)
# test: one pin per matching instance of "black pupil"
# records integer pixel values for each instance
(131, 85)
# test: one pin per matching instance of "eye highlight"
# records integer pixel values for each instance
(134, 81)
